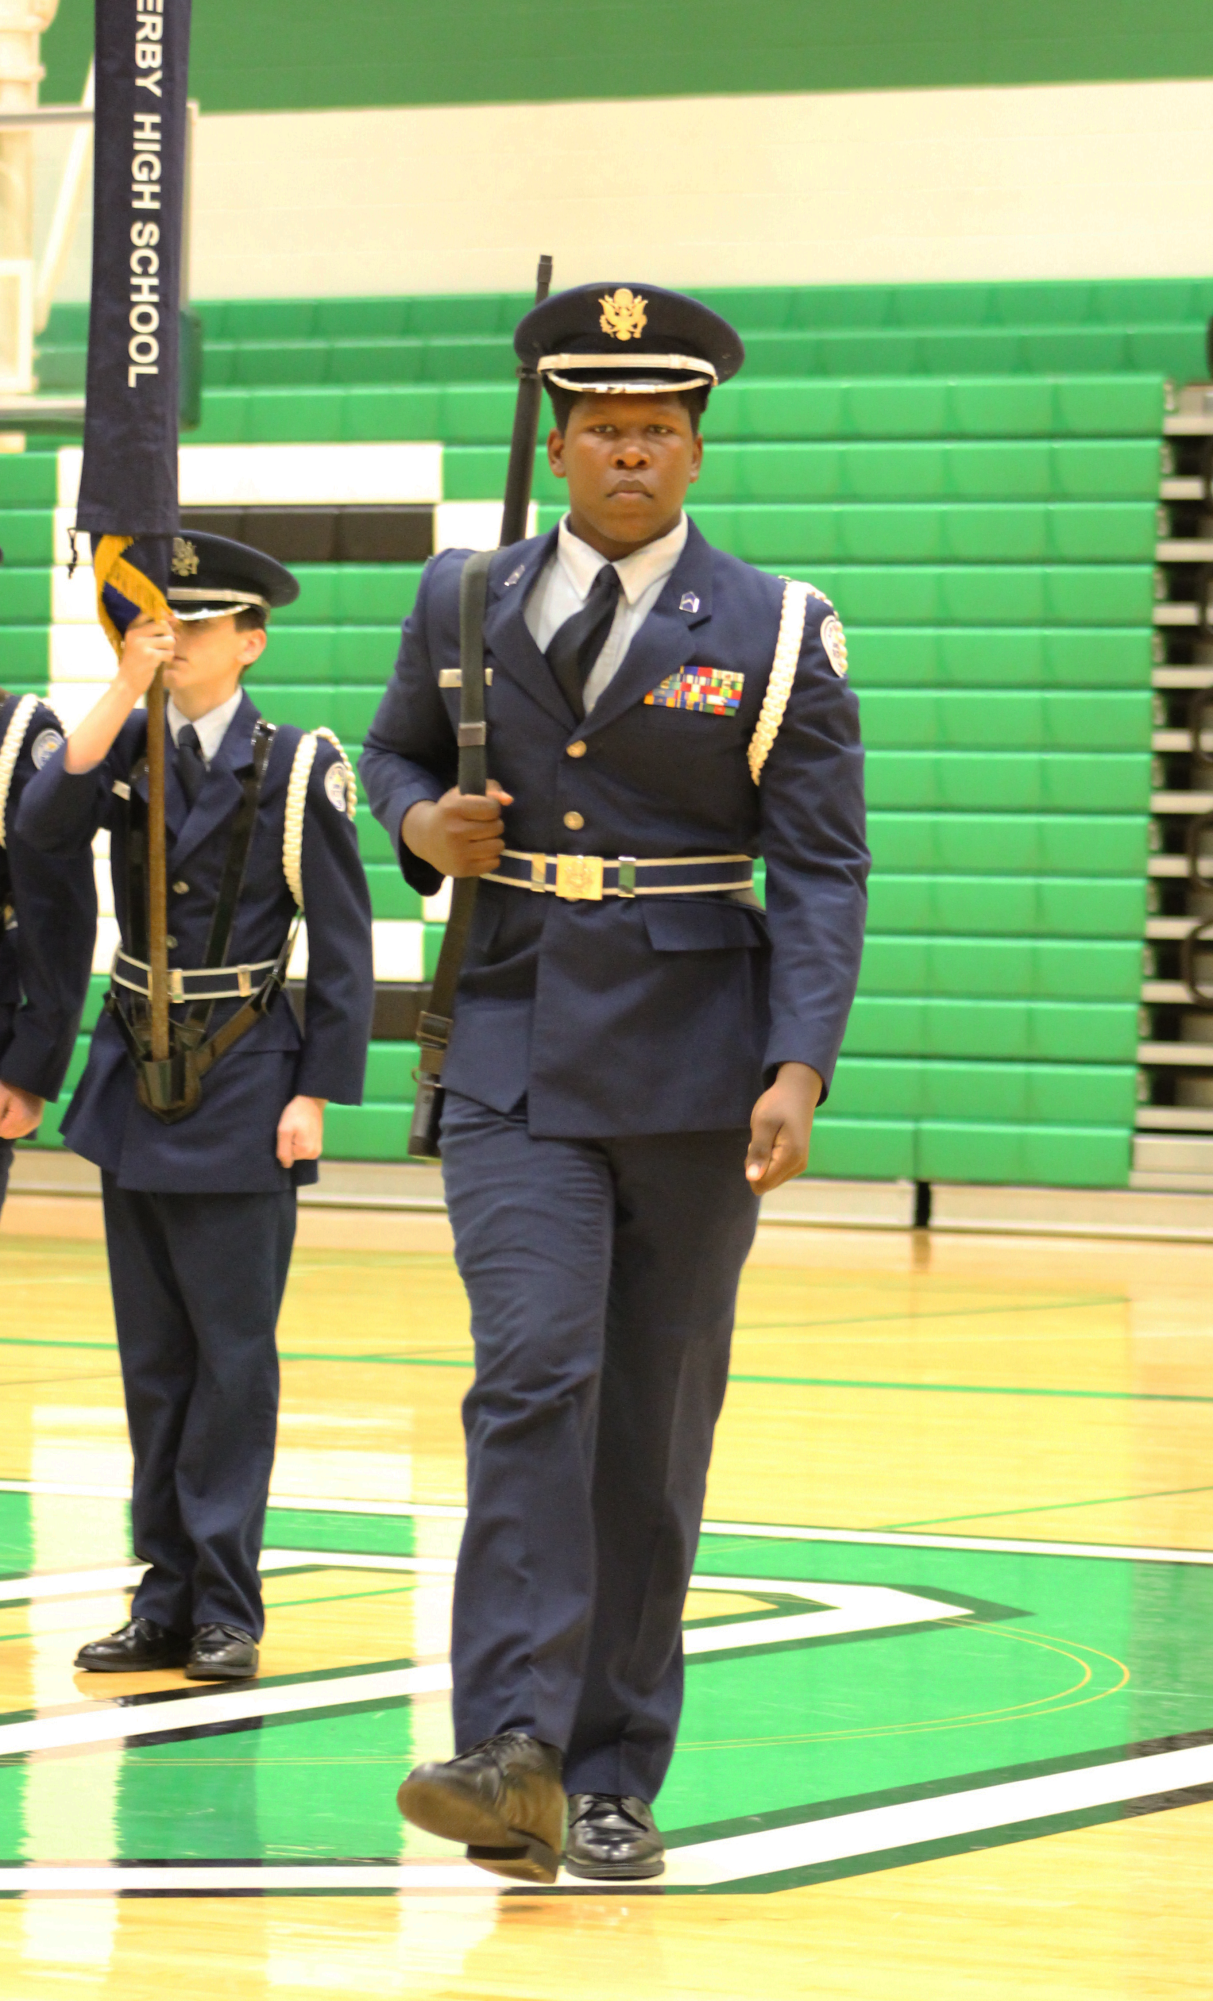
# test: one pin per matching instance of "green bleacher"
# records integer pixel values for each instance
(971, 473)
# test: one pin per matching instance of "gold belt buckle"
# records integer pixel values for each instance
(579, 878)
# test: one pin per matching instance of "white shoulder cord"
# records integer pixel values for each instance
(296, 802)
(783, 672)
(10, 750)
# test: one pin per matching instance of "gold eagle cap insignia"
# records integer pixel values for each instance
(185, 557)
(624, 314)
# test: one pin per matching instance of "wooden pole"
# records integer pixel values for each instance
(157, 870)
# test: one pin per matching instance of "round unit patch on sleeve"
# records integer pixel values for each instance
(834, 639)
(334, 786)
(44, 746)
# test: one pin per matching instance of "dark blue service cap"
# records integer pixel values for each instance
(210, 576)
(613, 337)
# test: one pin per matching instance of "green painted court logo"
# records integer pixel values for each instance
(853, 1702)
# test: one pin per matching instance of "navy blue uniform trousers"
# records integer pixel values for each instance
(602, 1276)
(197, 1283)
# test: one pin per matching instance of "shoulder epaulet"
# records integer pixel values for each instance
(296, 802)
(10, 751)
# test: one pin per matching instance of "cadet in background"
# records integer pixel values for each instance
(637, 1051)
(48, 924)
(200, 1198)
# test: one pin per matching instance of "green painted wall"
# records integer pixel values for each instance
(279, 55)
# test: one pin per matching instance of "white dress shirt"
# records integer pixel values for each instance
(211, 728)
(564, 584)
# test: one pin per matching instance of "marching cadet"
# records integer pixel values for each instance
(199, 1188)
(48, 922)
(637, 1052)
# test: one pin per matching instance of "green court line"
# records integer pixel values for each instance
(40, 1341)
(394, 1361)
(735, 1376)
(969, 1389)
(1046, 1508)
(943, 1313)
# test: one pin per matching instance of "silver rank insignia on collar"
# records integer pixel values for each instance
(513, 576)
(688, 602)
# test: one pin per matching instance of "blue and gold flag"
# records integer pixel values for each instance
(128, 484)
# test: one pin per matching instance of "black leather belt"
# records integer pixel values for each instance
(590, 878)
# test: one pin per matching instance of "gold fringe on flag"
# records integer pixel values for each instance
(109, 567)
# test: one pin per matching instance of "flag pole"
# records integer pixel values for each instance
(157, 872)
(128, 479)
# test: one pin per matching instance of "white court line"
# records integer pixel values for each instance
(75, 1728)
(185, 1879)
(769, 1531)
(912, 1822)
(841, 1609)
(731, 1859)
(45, 1584)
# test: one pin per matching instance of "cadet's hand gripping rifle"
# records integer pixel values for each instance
(434, 1025)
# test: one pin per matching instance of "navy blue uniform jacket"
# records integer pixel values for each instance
(227, 1145)
(46, 939)
(666, 1013)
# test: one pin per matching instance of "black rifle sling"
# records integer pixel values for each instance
(247, 1016)
(234, 868)
(435, 1022)
(135, 811)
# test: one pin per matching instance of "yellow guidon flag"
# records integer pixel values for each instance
(109, 567)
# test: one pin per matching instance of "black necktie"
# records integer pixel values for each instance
(190, 768)
(580, 640)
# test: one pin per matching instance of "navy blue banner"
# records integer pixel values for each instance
(128, 485)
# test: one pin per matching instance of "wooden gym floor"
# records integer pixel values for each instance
(949, 1723)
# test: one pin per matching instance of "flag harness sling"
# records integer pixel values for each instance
(171, 1087)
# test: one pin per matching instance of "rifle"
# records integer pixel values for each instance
(436, 1019)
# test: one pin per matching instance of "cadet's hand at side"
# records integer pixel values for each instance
(301, 1131)
(780, 1125)
(20, 1111)
(460, 834)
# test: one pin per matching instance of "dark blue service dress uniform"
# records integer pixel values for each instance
(605, 1060)
(200, 1217)
(48, 921)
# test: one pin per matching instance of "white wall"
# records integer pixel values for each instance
(1067, 181)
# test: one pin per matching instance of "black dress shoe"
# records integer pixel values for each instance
(134, 1649)
(612, 1837)
(221, 1653)
(503, 1798)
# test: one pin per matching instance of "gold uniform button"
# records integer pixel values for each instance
(575, 750)
(574, 822)
(180, 888)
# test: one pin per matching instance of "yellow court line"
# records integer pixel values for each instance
(1045, 1705)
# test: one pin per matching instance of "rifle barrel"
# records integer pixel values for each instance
(526, 434)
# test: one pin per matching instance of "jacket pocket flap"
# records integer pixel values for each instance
(679, 926)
